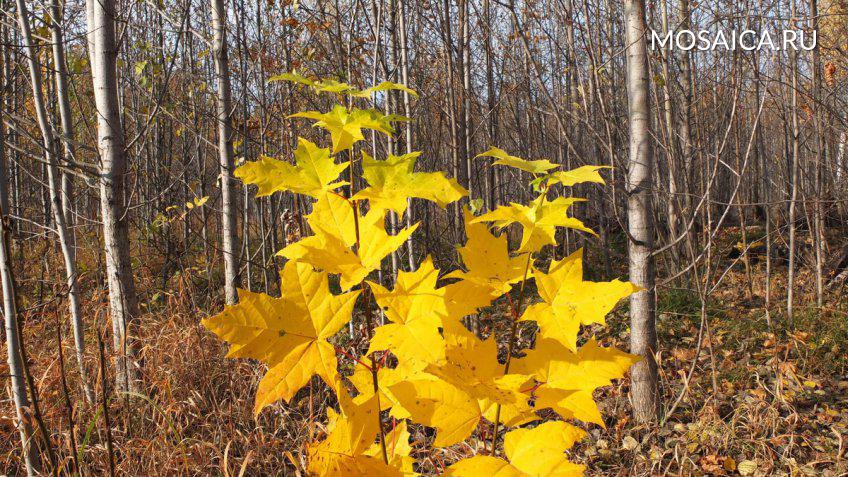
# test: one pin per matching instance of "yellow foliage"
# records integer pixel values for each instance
(445, 376)
(453, 396)
(487, 259)
(570, 302)
(350, 436)
(539, 220)
(416, 309)
(345, 126)
(539, 166)
(569, 379)
(537, 452)
(387, 377)
(333, 86)
(335, 233)
(397, 449)
(439, 404)
(314, 174)
(392, 181)
(289, 333)
(577, 176)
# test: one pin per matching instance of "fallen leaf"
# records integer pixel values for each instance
(746, 467)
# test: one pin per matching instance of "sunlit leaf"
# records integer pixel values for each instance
(345, 126)
(539, 166)
(314, 173)
(289, 333)
(570, 302)
(393, 181)
(539, 220)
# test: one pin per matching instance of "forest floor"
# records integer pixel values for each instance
(759, 402)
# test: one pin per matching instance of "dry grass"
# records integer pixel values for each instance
(779, 402)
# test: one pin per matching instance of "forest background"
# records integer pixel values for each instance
(123, 227)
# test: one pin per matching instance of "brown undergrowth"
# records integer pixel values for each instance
(760, 401)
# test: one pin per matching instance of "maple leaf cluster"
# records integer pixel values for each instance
(446, 377)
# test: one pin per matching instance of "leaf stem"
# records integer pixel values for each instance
(513, 331)
(369, 322)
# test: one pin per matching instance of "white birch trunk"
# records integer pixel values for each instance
(113, 168)
(54, 179)
(68, 243)
(10, 313)
(229, 240)
(407, 111)
(643, 337)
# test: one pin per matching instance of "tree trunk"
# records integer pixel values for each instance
(10, 312)
(819, 239)
(407, 111)
(466, 93)
(793, 184)
(492, 184)
(643, 339)
(53, 176)
(685, 139)
(229, 239)
(447, 37)
(113, 168)
(68, 243)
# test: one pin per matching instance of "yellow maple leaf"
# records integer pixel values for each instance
(345, 126)
(472, 365)
(577, 176)
(414, 296)
(487, 258)
(362, 380)
(540, 451)
(293, 77)
(333, 215)
(438, 404)
(329, 249)
(416, 308)
(483, 466)
(537, 452)
(539, 220)
(569, 379)
(333, 86)
(570, 302)
(397, 449)
(350, 435)
(539, 166)
(384, 86)
(314, 173)
(464, 298)
(392, 181)
(453, 396)
(289, 333)
(415, 344)
(514, 410)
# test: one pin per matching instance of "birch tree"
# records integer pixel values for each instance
(224, 108)
(53, 175)
(123, 304)
(10, 312)
(640, 225)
